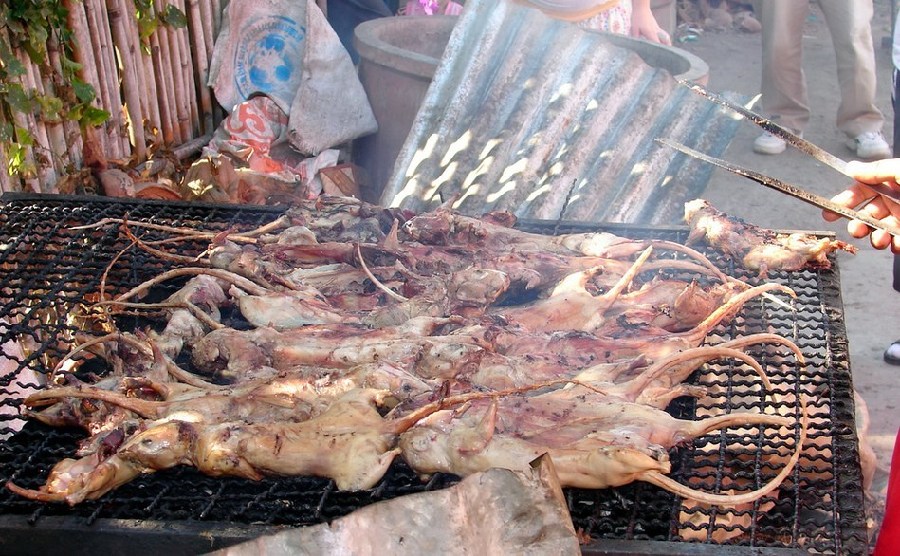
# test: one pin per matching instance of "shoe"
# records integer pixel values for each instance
(871, 145)
(892, 353)
(769, 144)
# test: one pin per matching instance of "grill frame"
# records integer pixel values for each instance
(41, 222)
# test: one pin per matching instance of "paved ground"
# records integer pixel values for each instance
(872, 308)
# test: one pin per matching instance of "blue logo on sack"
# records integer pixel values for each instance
(269, 57)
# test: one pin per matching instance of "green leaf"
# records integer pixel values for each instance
(18, 161)
(16, 28)
(16, 154)
(23, 137)
(173, 17)
(51, 107)
(18, 99)
(9, 62)
(13, 66)
(83, 91)
(143, 6)
(36, 47)
(69, 66)
(94, 116)
(147, 27)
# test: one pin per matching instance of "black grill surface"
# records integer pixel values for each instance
(47, 268)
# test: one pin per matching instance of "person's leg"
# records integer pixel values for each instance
(895, 98)
(783, 86)
(897, 272)
(892, 353)
(888, 541)
(345, 15)
(850, 24)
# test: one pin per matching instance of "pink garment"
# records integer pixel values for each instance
(614, 20)
(888, 542)
(431, 7)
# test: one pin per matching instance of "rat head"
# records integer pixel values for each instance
(612, 466)
(426, 449)
(478, 286)
(161, 446)
(695, 207)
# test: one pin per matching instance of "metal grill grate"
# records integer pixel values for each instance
(46, 268)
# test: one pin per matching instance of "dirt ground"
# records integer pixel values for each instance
(872, 307)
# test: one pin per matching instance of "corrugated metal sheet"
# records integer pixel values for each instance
(541, 118)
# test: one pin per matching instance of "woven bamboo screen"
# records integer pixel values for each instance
(156, 98)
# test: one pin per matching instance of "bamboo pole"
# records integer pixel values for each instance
(131, 60)
(209, 35)
(38, 129)
(187, 68)
(110, 78)
(110, 144)
(201, 65)
(63, 149)
(216, 7)
(7, 182)
(36, 125)
(167, 76)
(83, 53)
(163, 87)
(114, 80)
(192, 147)
(207, 22)
(143, 69)
(130, 86)
(182, 102)
(52, 132)
(20, 120)
(5, 179)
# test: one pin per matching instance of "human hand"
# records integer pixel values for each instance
(878, 206)
(645, 26)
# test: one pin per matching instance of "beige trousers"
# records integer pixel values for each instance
(784, 93)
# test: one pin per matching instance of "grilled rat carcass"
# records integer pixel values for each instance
(755, 247)
(594, 441)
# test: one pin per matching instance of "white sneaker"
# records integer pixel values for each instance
(871, 145)
(892, 353)
(769, 144)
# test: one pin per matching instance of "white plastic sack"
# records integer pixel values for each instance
(259, 50)
(286, 50)
(331, 106)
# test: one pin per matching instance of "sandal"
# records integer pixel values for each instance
(892, 353)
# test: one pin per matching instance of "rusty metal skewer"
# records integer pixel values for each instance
(793, 191)
(788, 136)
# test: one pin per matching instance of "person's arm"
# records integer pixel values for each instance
(885, 171)
(644, 24)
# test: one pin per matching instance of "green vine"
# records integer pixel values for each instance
(148, 20)
(28, 26)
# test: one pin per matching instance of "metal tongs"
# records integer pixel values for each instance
(805, 146)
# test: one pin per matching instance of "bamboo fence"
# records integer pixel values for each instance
(156, 94)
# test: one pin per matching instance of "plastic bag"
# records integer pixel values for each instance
(331, 106)
(287, 51)
(259, 50)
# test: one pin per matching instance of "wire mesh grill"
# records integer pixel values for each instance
(50, 271)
